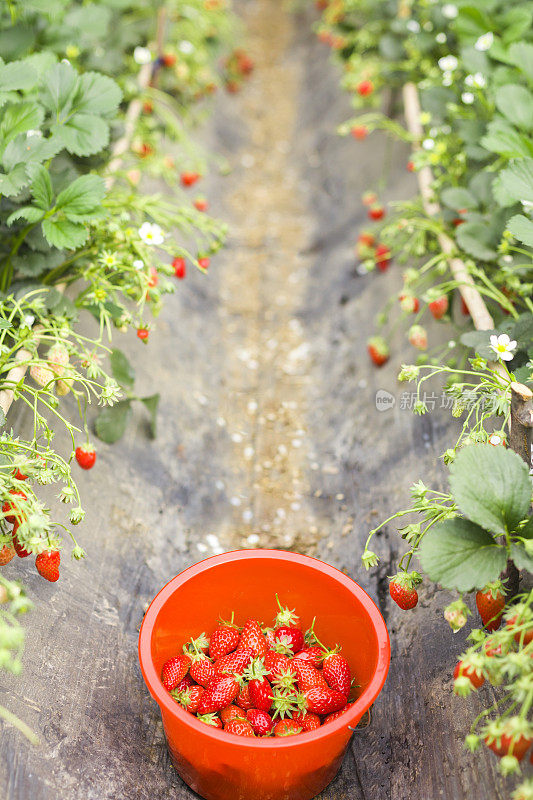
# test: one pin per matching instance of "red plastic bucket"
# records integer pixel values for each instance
(223, 767)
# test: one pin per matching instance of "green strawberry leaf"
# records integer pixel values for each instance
(461, 556)
(491, 486)
(29, 213)
(41, 185)
(457, 198)
(17, 75)
(18, 119)
(63, 234)
(521, 55)
(15, 180)
(476, 239)
(516, 104)
(97, 94)
(121, 369)
(112, 421)
(82, 196)
(83, 134)
(522, 229)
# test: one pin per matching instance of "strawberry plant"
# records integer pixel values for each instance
(464, 73)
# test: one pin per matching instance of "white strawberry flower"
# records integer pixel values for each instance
(467, 98)
(503, 346)
(428, 144)
(186, 47)
(449, 11)
(138, 264)
(478, 80)
(440, 38)
(151, 233)
(485, 41)
(448, 63)
(413, 26)
(142, 55)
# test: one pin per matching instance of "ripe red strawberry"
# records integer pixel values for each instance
(286, 727)
(224, 639)
(369, 198)
(261, 722)
(47, 564)
(252, 638)
(277, 664)
(291, 637)
(509, 741)
(85, 456)
(232, 712)
(439, 306)
(378, 350)
(336, 671)
(20, 550)
(312, 655)
(364, 88)
(464, 308)
(409, 303)
(239, 727)
(201, 204)
(410, 166)
(418, 337)
(307, 721)
(243, 698)
(337, 714)
(189, 178)
(219, 695)
(15, 507)
(180, 267)
(143, 334)
(7, 552)
(376, 211)
(457, 221)
(169, 59)
(259, 688)
(204, 262)
(174, 670)
(202, 670)
(269, 636)
(490, 603)
(359, 131)
(307, 676)
(474, 675)
(153, 277)
(382, 257)
(189, 698)
(19, 475)
(211, 719)
(324, 701)
(402, 589)
(233, 663)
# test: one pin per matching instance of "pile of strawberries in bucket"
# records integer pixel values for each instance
(255, 681)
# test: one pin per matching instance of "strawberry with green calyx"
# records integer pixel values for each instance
(291, 638)
(369, 198)
(490, 602)
(519, 620)
(186, 683)
(204, 263)
(201, 204)
(439, 306)
(261, 722)
(239, 727)
(311, 655)
(232, 712)
(336, 670)
(409, 303)
(286, 727)
(376, 212)
(180, 267)
(202, 669)
(210, 719)
(402, 589)
(364, 88)
(85, 456)
(378, 350)
(382, 257)
(456, 614)
(284, 702)
(324, 701)
(189, 178)
(174, 670)
(509, 737)
(190, 698)
(468, 675)
(143, 334)
(20, 549)
(418, 337)
(286, 616)
(269, 636)
(258, 686)
(233, 663)
(47, 565)
(285, 678)
(198, 645)
(219, 694)
(224, 639)
(252, 638)
(359, 132)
